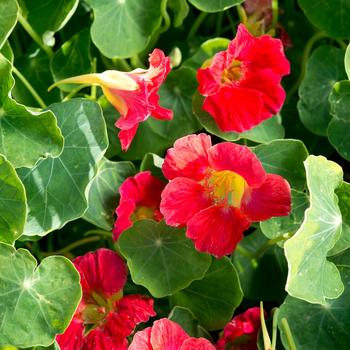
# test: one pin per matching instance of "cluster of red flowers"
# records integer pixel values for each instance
(215, 191)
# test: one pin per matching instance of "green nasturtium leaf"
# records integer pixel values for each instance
(287, 225)
(331, 16)
(103, 196)
(122, 28)
(347, 61)
(25, 136)
(13, 209)
(324, 68)
(285, 158)
(214, 298)
(48, 17)
(262, 268)
(8, 18)
(180, 9)
(214, 6)
(153, 163)
(6, 50)
(321, 327)
(269, 130)
(56, 186)
(185, 318)
(161, 258)
(72, 58)
(339, 127)
(343, 243)
(37, 302)
(311, 276)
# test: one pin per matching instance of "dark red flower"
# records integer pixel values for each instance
(134, 94)
(242, 332)
(242, 84)
(217, 191)
(167, 335)
(104, 318)
(139, 199)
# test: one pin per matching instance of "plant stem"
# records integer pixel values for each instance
(341, 43)
(74, 245)
(29, 87)
(242, 14)
(265, 333)
(288, 333)
(197, 23)
(306, 53)
(274, 13)
(104, 233)
(74, 92)
(274, 328)
(164, 12)
(28, 28)
(93, 86)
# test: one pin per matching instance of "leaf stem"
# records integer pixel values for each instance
(242, 14)
(164, 12)
(306, 53)
(266, 337)
(74, 92)
(288, 333)
(29, 87)
(31, 32)
(73, 245)
(274, 13)
(197, 23)
(274, 328)
(104, 233)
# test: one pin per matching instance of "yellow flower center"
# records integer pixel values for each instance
(233, 73)
(225, 187)
(142, 212)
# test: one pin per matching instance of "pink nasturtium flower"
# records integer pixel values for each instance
(134, 94)
(104, 318)
(242, 85)
(139, 199)
(167, 335)
(217, 191)
(242, 332)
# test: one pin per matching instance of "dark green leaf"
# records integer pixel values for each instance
(103, 194)
(214, 298)
(285, 158)
(214, 6)
(180, 9)
(122, 28)
(161, 258)
(324, 68)
(37, 302)
(153, 163)
(56, 186)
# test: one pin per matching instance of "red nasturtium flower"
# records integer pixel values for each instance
(242, 332)
(139, 199)
(134, 94)
(104, 318)
(217, 191)
(167, 335)
(242, 84)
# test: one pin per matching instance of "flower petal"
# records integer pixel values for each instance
(99, 339)
(102, 271)
(167, 335)
(235, 109)
(272, 198)
(188, 157)
(143, 189)
(130, 311)
(197, 343)
(126, 136)
(72, 338)
(142, 340)
(182, 198)
(217, 230)
(239, 159)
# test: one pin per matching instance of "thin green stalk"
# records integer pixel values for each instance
(74, 92)
(123, 63)
(274, 13)
(73, 245)
(93, 86)
(197, 23)
(29, 87)
(274, 328)
(28, 28)
(164, 12)
(103, 233)
(265, 333)
(341, 43)
(288, 334)
(242, 14)
(306, 53)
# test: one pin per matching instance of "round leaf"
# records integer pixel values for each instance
(103, 194)
(324, 68)
(36, 303)
(56, 186)
(331, 16)
(285, 158)
(13, 209)
(161, 258)
(122, 28)
(214, 6)
(8, 18)
(214, 298)
(311, 276)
